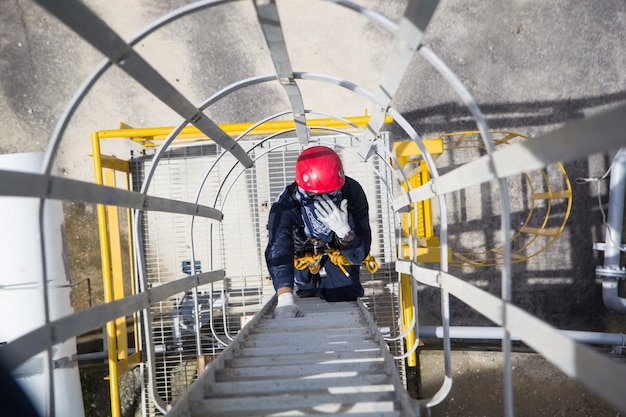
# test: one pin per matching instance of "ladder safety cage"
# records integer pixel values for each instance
(195, 172)
(198, 212)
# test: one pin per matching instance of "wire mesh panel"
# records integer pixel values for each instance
(173, 251)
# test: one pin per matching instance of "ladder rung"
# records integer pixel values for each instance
(281, 386)
(285, 371)
(323, 403)
(301, 325)
(538, 231)
(286, 345)
(304, 356)
(318, 303)
(308, 346)
(321, 338)
(320, 334)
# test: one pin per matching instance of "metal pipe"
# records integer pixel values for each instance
(496, 333)
(611, 272)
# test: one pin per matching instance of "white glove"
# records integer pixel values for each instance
(336, 218)
(286, 308)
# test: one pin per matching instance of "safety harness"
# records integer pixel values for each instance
(313, 261)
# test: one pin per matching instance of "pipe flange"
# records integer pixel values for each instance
(619, 273)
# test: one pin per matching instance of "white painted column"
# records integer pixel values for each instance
(21, 301)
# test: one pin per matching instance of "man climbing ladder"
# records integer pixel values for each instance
(319, 221)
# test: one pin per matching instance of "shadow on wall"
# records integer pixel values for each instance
(559, 285)
(576, 304)
(453, 117)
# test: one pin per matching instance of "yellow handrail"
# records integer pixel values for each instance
(191, 133)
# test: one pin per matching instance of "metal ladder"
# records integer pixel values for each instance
(331, 361)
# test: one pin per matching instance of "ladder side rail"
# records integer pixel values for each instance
(198, 387)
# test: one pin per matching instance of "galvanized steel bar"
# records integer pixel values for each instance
(505, 221)
(446, 386)
(269, 20)
(494, 333)
(407, 39)
(563, 144)
(21, 184)
(59, 129)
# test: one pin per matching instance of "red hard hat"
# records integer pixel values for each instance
(319, 170)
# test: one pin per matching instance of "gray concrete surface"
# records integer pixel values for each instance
(532, 65)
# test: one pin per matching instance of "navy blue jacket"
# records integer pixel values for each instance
(286, 232)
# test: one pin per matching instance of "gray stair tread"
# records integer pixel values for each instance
(287, 371)
(355, 403)
(322, 338)
(282, 386)
(316, 320)
(315, 332)
(298, 413)
(305, 346)
(247, 359)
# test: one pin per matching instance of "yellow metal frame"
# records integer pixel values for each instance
(112, 258)
(151, 137)
(428, 250)
(408, 312)
(408, 151)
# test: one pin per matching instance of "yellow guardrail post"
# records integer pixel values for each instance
(109, 227)
(107, 282)
(408, 312)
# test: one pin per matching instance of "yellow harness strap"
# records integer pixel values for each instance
(308, 260)
(313, 261)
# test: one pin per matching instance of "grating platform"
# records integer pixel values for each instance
(332, 361)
